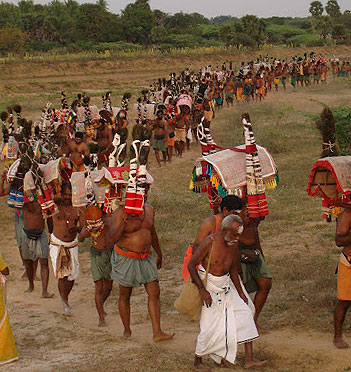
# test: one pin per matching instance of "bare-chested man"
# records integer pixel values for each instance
(228, 91)
(79, 153)
(100, 263)
(169, 137)
(4, 191)
(34, 244)
(231, 204)
(133, 265)
(63, 141)
(104, 138)
(160, 134)
(227, 318)
(343, 239)
(64, 244)
(181, 128)
(256, 275)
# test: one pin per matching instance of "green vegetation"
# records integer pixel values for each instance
(67, 26)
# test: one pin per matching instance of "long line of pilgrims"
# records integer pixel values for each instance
(168, 115)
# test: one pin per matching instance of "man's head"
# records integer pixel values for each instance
(78, 137)
(66, 192)
(231, 204)
(159, 114)
(232, 227)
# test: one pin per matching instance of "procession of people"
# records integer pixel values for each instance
(68, 180)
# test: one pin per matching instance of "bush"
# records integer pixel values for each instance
(12, 39)
(342, 115)
(43, 45)
(183, 40)
(307, 40)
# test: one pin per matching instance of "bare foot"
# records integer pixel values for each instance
(30, 289)
(255, 363)
(127, 334)
(66, 309)
(261, 330)
(47, 295)
(201, 367)
(224, 364)
(102, 323)
(163, 336)
(340, 343)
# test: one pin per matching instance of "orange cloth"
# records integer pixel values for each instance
(344, 279)
(170, 142)
(239, 94)
(129, 254)
(77, 167)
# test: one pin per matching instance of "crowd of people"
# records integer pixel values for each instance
(122, 238)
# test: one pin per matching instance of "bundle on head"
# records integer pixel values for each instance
(125, 100)
(17, 109)
(64, 104)
(5, 133)
(105, 117)
(326, 125)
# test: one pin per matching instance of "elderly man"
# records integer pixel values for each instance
(227, 317)
(133, 265)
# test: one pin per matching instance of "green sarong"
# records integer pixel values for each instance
(253, 271)
(100, 264)
(131, 272)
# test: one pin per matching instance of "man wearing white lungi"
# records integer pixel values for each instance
(227, 319)
(64, 244)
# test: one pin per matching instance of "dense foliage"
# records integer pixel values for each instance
(72, 26)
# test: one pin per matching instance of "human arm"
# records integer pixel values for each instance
(198, 257)
(342, 235)
(257, 243)
(118, 223)
(81, 220)
(206, 228)
(84, 233)
(50, 224)
(4, 190)
(156, 245)
(233, 272)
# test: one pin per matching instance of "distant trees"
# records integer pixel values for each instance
(334, 25)
(75, 26)
(333, 9)
(316, 8)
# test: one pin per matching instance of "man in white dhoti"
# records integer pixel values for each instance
(227, 319)
(64, 244)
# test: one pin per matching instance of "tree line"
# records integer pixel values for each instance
(70, 26)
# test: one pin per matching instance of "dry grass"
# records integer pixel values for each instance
(298, 244)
